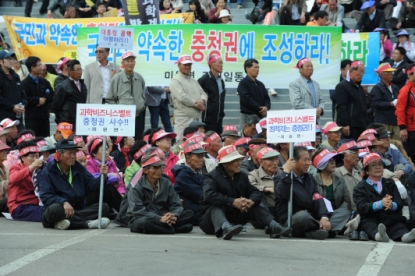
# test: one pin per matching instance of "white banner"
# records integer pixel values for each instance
(116, 37)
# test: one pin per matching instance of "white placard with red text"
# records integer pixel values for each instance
(288, 126)
(105, 119)
(116, 37)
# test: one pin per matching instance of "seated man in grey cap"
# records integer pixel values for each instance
(153, 205)
(229, 135)
(63, 187)
(200, 126)
(229, 201)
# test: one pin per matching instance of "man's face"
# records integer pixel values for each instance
(334, 135)
(253, 71)
(101, 54)
(38, 68)
(386, 143)
(13, 132)
(153, 172)
(303, 163)
(396, 56)
(322, 21)
(307, 70)
(195, 161)
(233, 166)
(254, 153)
(229, 140)
(270, 165)
(242, 151)
(7, 63)
(351, 157)
(215, 145)
(357, 75)
(68, 157)
(76, 73)
(101, 9)
(217, 65)
(250, 130)
(332, 5)
(129, 64)
(185, 69)
(387, 77)
(371, 9)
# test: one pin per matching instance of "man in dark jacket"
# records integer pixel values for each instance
(188, 181)
(398, 62)
(70, 93)
(351, 103)
(62, 69)
(229, 200)
(253, 96)
(251, 163)
(344, 68)
(11, 91)
(214, 86)
(63, 187)
(371, 19)
(39, 95)
(310, 216)
(153, 205)
(384, 99)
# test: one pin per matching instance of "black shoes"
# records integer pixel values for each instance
(317, 235)
(354, 236)
(363, 236)
(187, 228)
(358, 236)
(277, 230)
(230, 230)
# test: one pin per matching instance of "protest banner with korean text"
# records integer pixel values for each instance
(106, 120)
(51, 39)
(141, 12)
(289, 126)
(366, 48)
(277, 48)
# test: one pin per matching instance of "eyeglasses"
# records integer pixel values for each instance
(99, 51)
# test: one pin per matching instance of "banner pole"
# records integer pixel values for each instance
(101, 186)
(290, 202)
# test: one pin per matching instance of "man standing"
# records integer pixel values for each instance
(384, 99)
(189, 99)
(39, 95)
(351, 103)
(398, 62)
(62, 69)
(97, 76)
(11, 90)
(127, 87)
(71, 92)
(214, 86)
(253, 96)
(229, 200)
(157, 100)
(344, 68)
(335, 12)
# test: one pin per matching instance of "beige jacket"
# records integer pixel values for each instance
(185, 92)
(351, 181)
(120, 91)
(94, 82)
(260, 179)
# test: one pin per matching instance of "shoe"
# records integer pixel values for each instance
(317, 235)
(63, 224)
(187, 228)
(272, 92)
(240, 6)
(237, 93)
(267, 230)
(332, 234)
(381, 235)
(363, 236)
(27, 15)
(43, 12)
(93, 224)
(354, 236)
(278, 230)
(230, 230)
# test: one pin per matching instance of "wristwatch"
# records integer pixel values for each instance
(326, 218)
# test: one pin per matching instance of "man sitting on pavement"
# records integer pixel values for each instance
(63, 187)
(251, 162)
(229, 201)
(249, 129)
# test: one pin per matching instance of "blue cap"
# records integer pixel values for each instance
(5, 54)
(367, 4)
(403, 32)
(379, 29)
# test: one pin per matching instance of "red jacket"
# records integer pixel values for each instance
(405, 108)
(170, 162)
(21, 189)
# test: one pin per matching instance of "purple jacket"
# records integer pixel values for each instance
(92, 165)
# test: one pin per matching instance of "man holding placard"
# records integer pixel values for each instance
(127, 87)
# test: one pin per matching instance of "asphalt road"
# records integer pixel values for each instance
(28, 249)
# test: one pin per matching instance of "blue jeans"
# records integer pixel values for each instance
(163, 111)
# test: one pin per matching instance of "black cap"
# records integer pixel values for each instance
(66, 144)
(382, 133)
(197, 124)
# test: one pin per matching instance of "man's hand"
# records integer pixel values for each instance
(238, 203)
(247, 204)
(49, 13)
(399, 173)
(200, 105)
(302, 19)
(269, 190)
(289, 165)
(42, 101)
(18, 109)
(171, 219)
(263, 111)
(69, 211)
(346, 131)
(384, 2)
(404, 135)
(167, 89)
(319, 110)
(325, 224)
(398, 26)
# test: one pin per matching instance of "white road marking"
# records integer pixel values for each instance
(376, 259)
(23, 261)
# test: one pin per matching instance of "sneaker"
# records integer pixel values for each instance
(93, 224)
(237, 93)
(63, 224)
(272, 92)
(240, 6)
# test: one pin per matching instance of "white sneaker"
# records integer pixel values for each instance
(93, 224)
(240, 6)
(237, 93)
(272, 92)
(63, 224)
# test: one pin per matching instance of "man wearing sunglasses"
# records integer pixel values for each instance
(11, 90)
(98, 75)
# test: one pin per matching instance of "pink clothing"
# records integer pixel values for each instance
(170, 162)
(12, 159)
(93, 166)
(166, 11)
(213, 18)
(387, 48)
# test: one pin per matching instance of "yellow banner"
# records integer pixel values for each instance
(111, 13)
(51, 39)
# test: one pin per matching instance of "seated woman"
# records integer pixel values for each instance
(380, 205)
(165, 7)
(22, 202)
(161, 139)
(136, 152)
(4, 177)
(188, 181)
(332, 188)
(114, 187)
(214, 13)
(199, 13)
(121, 156)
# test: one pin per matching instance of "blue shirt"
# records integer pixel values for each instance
(36, 80)
(371, 16)
(220, 86)
(396, 157)
(295, 14)
(313, 92)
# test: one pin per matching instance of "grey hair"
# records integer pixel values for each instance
(252, 119)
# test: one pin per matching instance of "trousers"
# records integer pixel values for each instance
(302, 222)
(40, 127)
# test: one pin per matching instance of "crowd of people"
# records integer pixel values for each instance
(199, 172)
